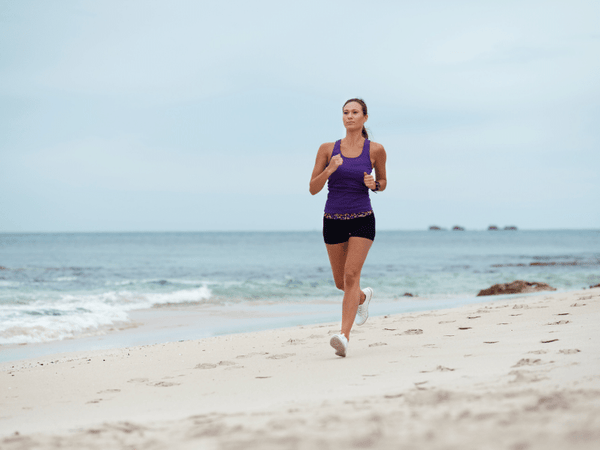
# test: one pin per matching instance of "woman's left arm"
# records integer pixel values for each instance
(378, 160)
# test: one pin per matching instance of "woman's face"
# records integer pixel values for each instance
(353, 116)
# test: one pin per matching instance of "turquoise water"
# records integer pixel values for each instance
(57, 286)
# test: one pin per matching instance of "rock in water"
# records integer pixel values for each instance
(516, 287)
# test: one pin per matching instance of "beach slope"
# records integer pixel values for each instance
(518, 374)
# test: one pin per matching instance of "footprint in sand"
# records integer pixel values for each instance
(163, 384)
(138, 380)
(227, 363)
(413, 331)
(560, 322)
(528, 362)
(109, 391)
(249, 355)
(96, 400)
(393, 396)
(439, 369)
(377, 344)
(205, 366)
(281, 356)
(569, 351)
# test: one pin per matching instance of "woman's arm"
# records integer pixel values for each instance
(378, 159)
(323, 167)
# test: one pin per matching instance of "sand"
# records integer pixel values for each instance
(514, 374)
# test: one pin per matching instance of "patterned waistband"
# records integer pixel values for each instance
(348, 216)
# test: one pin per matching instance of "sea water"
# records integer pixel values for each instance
(69, 285)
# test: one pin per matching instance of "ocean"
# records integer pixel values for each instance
(67, 286)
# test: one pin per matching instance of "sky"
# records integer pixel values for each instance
(207, 116)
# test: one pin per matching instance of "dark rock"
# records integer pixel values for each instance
(408, 294)
(434, 228)
(552, 263)
(596, 286)
(457, 228)
(516, 287)
(492, 227)
(511, 228)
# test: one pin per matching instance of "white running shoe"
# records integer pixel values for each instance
(363, 310)
(340, 343)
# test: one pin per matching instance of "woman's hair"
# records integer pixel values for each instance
(362, 103)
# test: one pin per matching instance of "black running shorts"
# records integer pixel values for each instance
(337, 231)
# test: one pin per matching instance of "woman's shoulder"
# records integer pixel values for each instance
(376, 147)
(327, 147)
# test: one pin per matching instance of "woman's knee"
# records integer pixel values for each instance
(351, 278)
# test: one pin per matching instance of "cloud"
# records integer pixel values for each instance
(160, 100)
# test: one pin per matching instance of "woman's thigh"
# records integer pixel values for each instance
(348, 258)
(337, 258)
(356, 255)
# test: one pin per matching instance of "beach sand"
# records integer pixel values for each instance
(513, 374)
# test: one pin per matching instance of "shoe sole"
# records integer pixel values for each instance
(336, 343)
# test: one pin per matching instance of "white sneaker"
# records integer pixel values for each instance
(363, 310)
(340, 343)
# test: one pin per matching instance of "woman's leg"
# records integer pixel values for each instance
(337, 258)
(347, 260)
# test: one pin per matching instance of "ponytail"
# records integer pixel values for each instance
(364, 133)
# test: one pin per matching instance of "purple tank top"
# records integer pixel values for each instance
(347, 190)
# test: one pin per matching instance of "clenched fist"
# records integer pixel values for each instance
(369, 181)
(335, 162)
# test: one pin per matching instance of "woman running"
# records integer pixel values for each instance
(349, 222)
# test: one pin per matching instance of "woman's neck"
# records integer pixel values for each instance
(353, 138)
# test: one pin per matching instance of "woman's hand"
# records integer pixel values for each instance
(325, 165)
(335, 162)
(369, 181)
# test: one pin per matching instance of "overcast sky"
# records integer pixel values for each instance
(197, 115)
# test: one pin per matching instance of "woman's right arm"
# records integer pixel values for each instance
(323, 170)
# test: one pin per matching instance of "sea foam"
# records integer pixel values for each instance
(78, 315)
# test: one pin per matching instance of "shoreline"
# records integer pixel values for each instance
(521, 372)
(178, 322)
